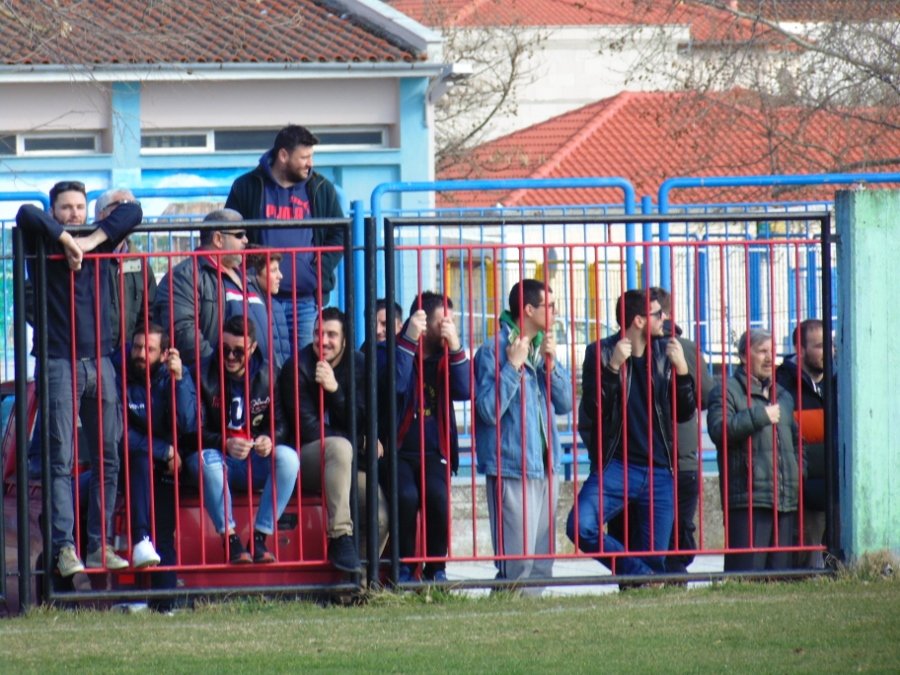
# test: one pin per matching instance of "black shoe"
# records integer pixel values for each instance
(342, 553)
(260, 552)
(237, 555)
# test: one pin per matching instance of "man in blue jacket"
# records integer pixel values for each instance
(284, 186)
(516, 436)
(155, 382)
(85, 387)
(431, 371)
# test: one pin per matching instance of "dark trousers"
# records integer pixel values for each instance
(164, 512)
(763, 524)
(410, 496)
(686, 509)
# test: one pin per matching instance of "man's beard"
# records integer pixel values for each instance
(138, 372)
(813, 369)
(295, 177)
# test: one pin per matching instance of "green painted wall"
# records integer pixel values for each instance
(868, 353)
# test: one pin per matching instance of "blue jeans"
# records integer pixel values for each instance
(304, 313)
(661, 517)
(217, 495)
(89, 403)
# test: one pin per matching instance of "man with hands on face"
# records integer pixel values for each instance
(84, 386)
(238, 431)
(431, 371)
(511, 393)
(634, 458)
(322, 372)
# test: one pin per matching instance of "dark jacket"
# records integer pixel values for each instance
(132, 283)
(688, 439)
(610, 404)
(810, 398)
(87, 303)
(337, 406)
(264, 408)
(455, 367)
(158, 408)
(210, 295)
(744, 437)
(247, 195)
(260, 308)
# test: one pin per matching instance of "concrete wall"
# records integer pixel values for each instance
(868, 365)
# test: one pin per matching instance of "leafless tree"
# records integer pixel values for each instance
(838, 58)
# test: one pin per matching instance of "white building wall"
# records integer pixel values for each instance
(54, 107)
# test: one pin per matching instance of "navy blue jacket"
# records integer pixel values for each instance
(93, 277)
(160, 433)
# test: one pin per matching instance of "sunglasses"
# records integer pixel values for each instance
(113, 205)
(236, 352)
(237, 234)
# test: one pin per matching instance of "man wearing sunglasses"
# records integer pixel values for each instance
(632, 409)
(198, 290)
(241, 433)
(85, 386)
(284, 186)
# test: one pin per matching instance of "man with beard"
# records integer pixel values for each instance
(431, 371)
(641, 381)
(84, 386)
(803, 376)
(154, 451)
(285, 187)
(242, 427)
(204, 287)
(321, 380)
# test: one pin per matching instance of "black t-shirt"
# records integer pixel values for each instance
(639, 405)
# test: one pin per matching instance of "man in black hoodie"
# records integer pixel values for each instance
(803, 375)
(285, 187)
(86, 386)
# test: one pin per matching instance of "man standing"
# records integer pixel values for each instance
(803, 376)
(285, 187)
(635, 374)
(238, 431)
(750, 421)
(517, 440)
(154, 449)
(322, 383)
(201, 294)
(128, 288)
(431, 371)
(85, 387)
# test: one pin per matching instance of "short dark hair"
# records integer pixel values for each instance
(634, 303)
(65, 186)
(151, 328)
(237, 324)
(531, 294)
(663, 297)
(292, 136)
(258, 262)
(381, 303)
(332, 314)
(803, 330)
(429, 301)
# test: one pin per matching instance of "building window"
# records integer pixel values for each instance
(7, 145)
(175, 142)
(49, 144)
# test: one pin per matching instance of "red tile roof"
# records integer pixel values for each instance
(650, 137)
(706, 24)
(822, 10)
(187, 31)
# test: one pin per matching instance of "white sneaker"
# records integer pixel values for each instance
(144, 555)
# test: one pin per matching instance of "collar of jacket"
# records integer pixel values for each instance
(534, 353)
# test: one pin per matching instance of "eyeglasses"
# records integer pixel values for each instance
(112, 205)
(237, 234)
(236, 352)
(552, 306)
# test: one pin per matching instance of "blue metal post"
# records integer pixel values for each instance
(358, 241)
(647, 236)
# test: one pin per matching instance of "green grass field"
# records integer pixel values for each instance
(822, 625)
